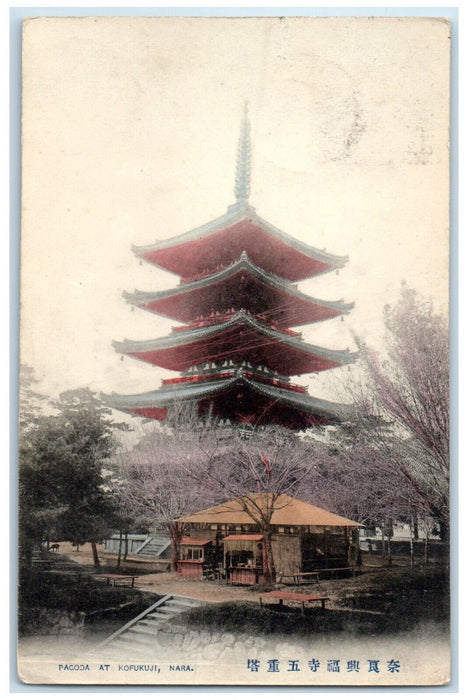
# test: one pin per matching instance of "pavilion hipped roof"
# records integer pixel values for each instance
(287, 511)
(220, 241)
(241, 285)
(240, 338)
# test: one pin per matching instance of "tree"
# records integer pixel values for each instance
(398, 435)
(62, 485)
(356, 477)
(32, 403)
(194, 464)
(37, 505)
(155, 486)
(235, 464)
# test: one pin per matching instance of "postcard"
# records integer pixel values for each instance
(234, 397)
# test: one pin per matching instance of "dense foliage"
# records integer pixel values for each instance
(63, 492)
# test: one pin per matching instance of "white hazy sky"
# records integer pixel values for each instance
(130, 129)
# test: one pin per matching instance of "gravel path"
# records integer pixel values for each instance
(167, 581)
(208, 591)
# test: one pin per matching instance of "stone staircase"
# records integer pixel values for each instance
(138, 635)
(155, 546)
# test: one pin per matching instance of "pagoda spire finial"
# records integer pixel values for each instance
(242, 187)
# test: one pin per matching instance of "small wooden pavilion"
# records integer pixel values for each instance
(304, 538)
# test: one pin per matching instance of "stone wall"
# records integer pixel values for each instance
(210, 644)
(50, 622)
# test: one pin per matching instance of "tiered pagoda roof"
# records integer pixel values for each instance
(241, 284)
(242, 337)
(223, 240)
(237, 398)
(238, 301)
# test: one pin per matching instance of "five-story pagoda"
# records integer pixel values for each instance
(237, 301)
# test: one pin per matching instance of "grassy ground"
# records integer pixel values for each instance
(42, 590)
(375, 602)
(379, 600)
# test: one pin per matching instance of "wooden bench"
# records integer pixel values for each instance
(349, 569)
(301, 598)
(300, 577)
(44, 564)
(116, 579)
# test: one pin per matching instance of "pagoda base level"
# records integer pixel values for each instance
(243, 409)
(256, 411)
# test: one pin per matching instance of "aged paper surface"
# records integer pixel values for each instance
(130, 130)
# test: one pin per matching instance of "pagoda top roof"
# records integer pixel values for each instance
(221, 240)
(196, 391)
(152, 350)
(150, 300)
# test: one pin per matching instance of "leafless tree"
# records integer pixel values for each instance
(154, 484)
(192, 464)
(255, 468)
(398, 438)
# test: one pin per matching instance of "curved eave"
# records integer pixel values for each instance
(166, 396)
(332, 261)
(152, 351)
(308, 404)
(236, 214)
(244, 264)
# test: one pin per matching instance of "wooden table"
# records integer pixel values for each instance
(115, 579)
(302, 598)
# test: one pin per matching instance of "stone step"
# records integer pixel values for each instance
(143, 631)
(157, 608)
(177, 608)
(158, 611)
(136, 633)
(155, 620)
(184, 601)
(155, 547)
